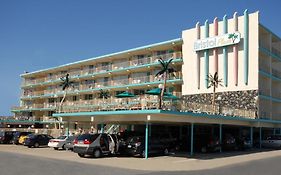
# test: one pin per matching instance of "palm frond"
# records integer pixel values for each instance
(161, 72)
(161, 61)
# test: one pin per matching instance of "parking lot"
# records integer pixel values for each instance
(179, 162)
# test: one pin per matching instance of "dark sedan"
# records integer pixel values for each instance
(37, 140)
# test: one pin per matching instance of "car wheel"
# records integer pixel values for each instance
(29, 146)
(63, 147)
(81, 155)
(166, 151)
(97, 153)
(36, 145)
(56, 148)
(142, 154)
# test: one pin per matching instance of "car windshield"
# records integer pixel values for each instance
(90, 137)
(70, 138)
(61, 137)
(135, 139)
(31, 136)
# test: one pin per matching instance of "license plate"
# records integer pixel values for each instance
(129, 146)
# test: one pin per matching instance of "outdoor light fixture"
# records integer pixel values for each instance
(160, 86)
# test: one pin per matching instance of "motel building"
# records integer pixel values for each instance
(245, 54)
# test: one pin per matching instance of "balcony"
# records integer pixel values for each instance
(115, 104)
(218, 110)
(120, 65)
(123, 83)
(139, 80)
(104, 69)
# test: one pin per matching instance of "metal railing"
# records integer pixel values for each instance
(216, 109)
(100, 69)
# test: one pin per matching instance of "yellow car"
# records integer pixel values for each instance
(22, 139)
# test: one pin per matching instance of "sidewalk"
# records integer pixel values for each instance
(162, 163)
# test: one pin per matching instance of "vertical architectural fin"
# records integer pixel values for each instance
(225, 58)
(198, 56)
(215, 50)
(235, 50)
(246, 46)
(206, 55)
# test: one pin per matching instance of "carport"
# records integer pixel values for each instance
(148, 117)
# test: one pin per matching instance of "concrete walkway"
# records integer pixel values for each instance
(162, 163)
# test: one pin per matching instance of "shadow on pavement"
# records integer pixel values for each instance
(208, 156)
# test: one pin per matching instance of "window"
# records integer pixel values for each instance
(162, 52)
(51, 100)
(50, 113)
(139, 92)
(88, 97)
(74, 98)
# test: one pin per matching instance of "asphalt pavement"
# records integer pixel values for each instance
(20, 164)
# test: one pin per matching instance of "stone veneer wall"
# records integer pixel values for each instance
(234, 99)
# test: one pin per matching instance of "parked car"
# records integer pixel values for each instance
(96, 145)
(158, 144)
(6, 136)
(17, 136)
(273, 141)
(23, 138)
(209, 144)
(70, 143)
(37, 140)
(60, 142)
(123, 139)
(235, 143)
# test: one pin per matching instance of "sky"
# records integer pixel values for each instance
(38, 34)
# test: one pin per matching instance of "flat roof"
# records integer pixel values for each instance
(104, 56)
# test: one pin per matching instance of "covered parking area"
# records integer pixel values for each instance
(254, 127)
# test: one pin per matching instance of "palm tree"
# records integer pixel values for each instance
(214, 82)
(104, 94)
(163, 73)
(65, 85)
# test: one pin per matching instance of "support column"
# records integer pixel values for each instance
(102, 128)
(146, 140)
(220, 137)
(191, 139)
(260, 136)
(251, 137)
(274, 131)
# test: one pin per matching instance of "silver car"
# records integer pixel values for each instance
(60, 142)
(273, 141)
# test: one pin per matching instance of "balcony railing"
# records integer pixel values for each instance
(218, 110)
(106, 68)
(120, 65)
(139, 80)
(114, 104)
(98, 85)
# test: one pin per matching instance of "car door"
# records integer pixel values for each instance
(104, 143)
(39, 139)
